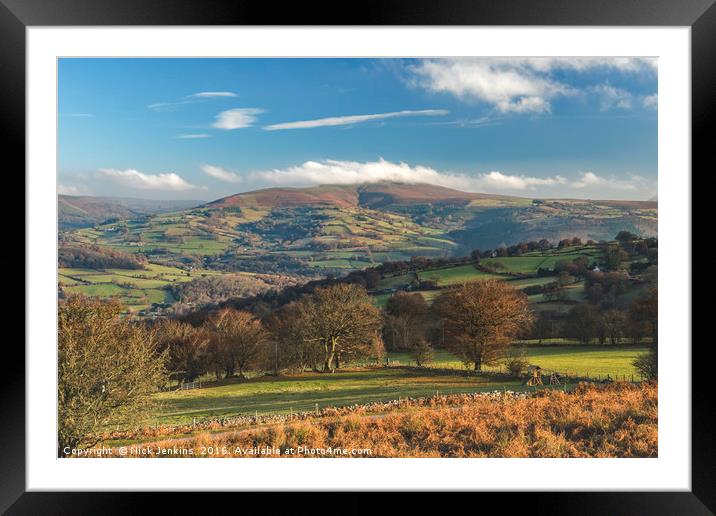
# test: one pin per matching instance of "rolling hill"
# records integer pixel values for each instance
(336, 228)
(78, 211)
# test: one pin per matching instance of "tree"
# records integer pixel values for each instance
(108, 369)
(186, 348)
(421, 352)
(238, 340)
(481, 319)
(341, 320)
(583, 322)
(615, 255)
(377, 350)
(405, 320)
(372, 278)
(648, 364)
(626, 236)
(613, 322)
(517, 362)
(644, 312)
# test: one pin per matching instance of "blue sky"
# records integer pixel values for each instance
(206, 128)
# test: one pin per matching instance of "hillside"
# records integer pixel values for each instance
(74, 211)
(336, 228)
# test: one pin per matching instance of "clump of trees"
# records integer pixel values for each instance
(95, 257)
(108, 369)
(481, 319)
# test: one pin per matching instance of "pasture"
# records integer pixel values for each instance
(360, 384)
(137, 289)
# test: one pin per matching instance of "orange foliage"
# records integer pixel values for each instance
(618, 420)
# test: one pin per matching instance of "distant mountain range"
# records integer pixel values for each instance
(75, 211)
(346, 226)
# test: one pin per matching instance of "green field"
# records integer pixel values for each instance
(579, 359)
(301, 392)
(137, 289)
(455, 275)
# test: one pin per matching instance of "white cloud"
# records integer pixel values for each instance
(650, 101)
(585, 184)
(352, 119)
(611, 97)
(221, 174)
(514, 85)
(139, 180)
(236, 118)
(589, 179)
(508, 88)
(193, 136)
(212, 94)
(202, 96)
(65, 189)
(583, 64)
(352, 172)
(498, 180)
(76, 115)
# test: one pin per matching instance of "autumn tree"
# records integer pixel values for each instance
(238, 341)
(645, 312)
(421, 351)
(287, 349)
(186, 348)
(481, 319)
(341, 320)
(583, 323)
(377, 349)
(108, 369)
(405, 320)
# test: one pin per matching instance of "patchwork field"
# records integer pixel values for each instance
(135, 288)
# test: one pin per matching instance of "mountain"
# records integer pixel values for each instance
(76, 211)
(371, 195)
(334, 228)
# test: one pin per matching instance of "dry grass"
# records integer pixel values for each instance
(618, 420)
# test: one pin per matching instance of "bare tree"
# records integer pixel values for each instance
(339, 320)
(405, 320)
(186, 348)
(481, 319)
(238, 340)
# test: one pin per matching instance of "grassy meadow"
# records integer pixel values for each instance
(360, 384)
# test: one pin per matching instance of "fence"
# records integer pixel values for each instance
(185, 386)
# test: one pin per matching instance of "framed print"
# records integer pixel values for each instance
(422, 242)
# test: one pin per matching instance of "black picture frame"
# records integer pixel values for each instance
(700, 15)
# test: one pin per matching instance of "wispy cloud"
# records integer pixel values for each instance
(212, 94)
(236, 118)
(221, 174)
(76, 115)
(193, 136)
(131, 178)
(513, 85)
(201, 96)
(352, 119)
